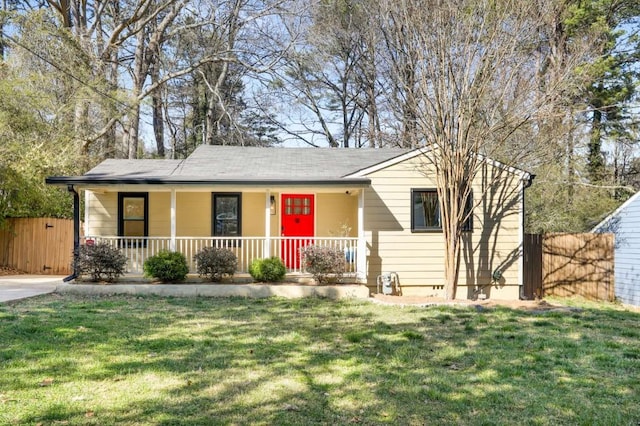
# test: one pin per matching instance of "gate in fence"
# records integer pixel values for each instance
(569, 265)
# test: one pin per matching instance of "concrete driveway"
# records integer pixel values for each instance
(14, 287)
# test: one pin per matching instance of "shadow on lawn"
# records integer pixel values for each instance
(294, 362)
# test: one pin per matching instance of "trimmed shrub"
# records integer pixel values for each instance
(166, 266)
(101, 261)
(268, 270)
(215, 263)
(323, 262)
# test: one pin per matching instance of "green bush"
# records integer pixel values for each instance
(268, 270)
(101, 261)
(323, 262)
(166, 266)
(215, 263)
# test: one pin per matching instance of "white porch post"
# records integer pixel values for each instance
(267, 224)
(173, 220)
(87, 197)
(361, 257)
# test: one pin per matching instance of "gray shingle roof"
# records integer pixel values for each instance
(210, 164)
(255, 163)
(135, 168)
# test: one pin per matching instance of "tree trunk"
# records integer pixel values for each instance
(451, 189)
(596, 161)
(109, 147)
(157, 105)
(139, 76)
(451, 268)
(409, 108)
(4, 10)
(571, 168)
(211, 119)
(133, 130)
(158, 123)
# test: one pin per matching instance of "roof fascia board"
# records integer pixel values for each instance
(351, 189)
(524, 175)
(602, 225)
(361, 182)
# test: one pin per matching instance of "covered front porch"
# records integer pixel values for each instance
(252, 222)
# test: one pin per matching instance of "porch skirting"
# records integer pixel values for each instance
(258, 291)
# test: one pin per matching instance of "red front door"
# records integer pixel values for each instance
(297, 220)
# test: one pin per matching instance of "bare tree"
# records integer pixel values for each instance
(150, 33)
(329, 80)
(142, 39)
(471, 88)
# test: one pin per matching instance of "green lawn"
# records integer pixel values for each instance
(124, 360)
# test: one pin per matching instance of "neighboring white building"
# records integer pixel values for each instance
(624, 223)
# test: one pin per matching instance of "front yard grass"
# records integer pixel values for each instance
(161, 361)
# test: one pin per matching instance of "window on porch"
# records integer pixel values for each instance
(133, 214)
(227, 215)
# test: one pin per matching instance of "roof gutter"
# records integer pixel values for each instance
(76, 233)
(529, 181)
(104, 181)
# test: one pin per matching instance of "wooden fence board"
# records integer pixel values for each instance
(38, 245)
(569, 265)
(578, 264)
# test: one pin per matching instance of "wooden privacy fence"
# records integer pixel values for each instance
(569, 265)
(38, 245)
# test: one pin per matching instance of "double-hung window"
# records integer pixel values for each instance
(227, 214)
(425, 211)
(133, 215)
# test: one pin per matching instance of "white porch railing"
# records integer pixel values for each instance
(137, 250)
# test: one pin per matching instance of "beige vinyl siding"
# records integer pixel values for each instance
(103, 214)
(275, 218)
(335, 214)
(193, 214)
(253, 208)
(418, 258)
(159, 214)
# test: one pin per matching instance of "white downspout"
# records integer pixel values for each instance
(361, 253)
